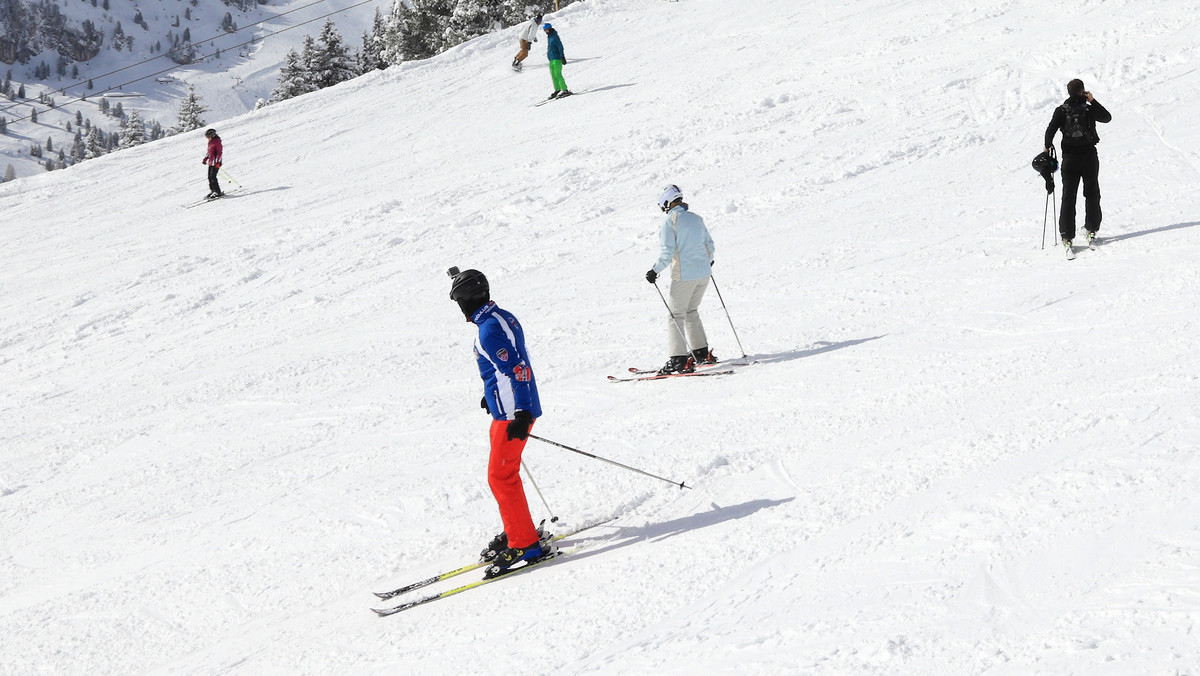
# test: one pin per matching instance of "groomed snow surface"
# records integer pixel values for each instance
(959, 453)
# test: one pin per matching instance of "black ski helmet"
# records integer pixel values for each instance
(1046, 163)
(209, 133)
(469, 289)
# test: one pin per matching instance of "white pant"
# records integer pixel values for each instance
(684, 302)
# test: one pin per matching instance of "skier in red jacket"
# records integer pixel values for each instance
(213, 160)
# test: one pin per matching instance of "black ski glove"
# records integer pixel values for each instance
(518, 427)
(651, 276)
(483, 403)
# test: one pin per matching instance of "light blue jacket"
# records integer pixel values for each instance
(685, 241)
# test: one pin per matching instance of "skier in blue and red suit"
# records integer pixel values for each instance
(510, 395)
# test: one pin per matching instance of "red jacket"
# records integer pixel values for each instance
(214, 152)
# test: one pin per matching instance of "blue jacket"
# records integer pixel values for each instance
(554, 48)
(508, 382)
(684, 237)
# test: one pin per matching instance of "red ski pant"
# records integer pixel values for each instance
(504, 478)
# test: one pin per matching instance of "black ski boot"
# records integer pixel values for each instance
(703, 355)
(677, 364)
(500, 542)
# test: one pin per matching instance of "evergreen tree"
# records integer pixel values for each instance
(190, 112)
(49, 144)
(371, 56)
(133, 132)
(94, 146)
(33, 115)
(424, 33)
(310, 63)
(103, 105)
(331, 61)
(470, 19)
(10, 174)
(293, 80)
(3, 125)
(78, 148)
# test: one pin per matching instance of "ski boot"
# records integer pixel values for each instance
(677, 364)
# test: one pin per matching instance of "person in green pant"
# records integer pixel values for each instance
(554, 53)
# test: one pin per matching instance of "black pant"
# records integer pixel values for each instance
(1080, 164)
(213, 179)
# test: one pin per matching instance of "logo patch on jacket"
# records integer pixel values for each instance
(521, 373)
(502, 354)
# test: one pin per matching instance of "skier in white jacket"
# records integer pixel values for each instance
(528, 37)
(687, 248)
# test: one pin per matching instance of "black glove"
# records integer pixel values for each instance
(518, 427)
(564, 62)
(651, 276)
(1049, 185)
(483, 403)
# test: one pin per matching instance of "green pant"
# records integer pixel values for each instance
(560, 85)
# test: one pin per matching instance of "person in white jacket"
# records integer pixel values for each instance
(528, 37)
(688, 248)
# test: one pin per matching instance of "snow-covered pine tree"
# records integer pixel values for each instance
(309, 63)
(190, 112)
(94, 145)
(470, 19)
(416, 31)
(371, 56)
(332, 62)
(10, 174)
(133, 132)
(293, 79)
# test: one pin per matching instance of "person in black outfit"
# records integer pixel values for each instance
(1077, 118)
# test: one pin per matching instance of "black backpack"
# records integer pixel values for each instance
(1076, 128)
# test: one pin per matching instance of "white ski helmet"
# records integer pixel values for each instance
(668, 196)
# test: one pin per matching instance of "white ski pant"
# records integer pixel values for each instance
(684, 302)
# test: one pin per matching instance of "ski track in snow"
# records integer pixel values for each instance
(958, 453)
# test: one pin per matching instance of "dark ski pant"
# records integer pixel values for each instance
(212, 179)
(1080, 164)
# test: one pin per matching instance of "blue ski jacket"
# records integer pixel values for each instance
(685, 242)
(508, 382)
(554, 48)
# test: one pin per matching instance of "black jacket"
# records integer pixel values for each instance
(1093, 113)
